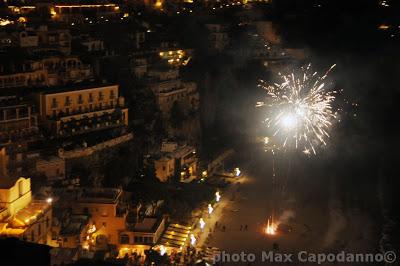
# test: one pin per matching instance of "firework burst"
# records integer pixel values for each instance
(300, 111)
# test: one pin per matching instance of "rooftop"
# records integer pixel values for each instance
(25, 217)
(91, 195)
(76, 87)
(75, 226)
(148, 224)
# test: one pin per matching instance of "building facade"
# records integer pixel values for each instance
(67, 112)
(178, 161)
(107, 216)
(169, 89)
(141, 236)
(20, 215)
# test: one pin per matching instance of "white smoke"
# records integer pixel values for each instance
(286, 216)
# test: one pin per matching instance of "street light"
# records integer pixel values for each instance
(49, 200)
(217, 196)
(163, 250)
(202, 223)
(192, 239)
(237, 171)
(210, 209)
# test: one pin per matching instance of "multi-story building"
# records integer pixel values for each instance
(178, 160)
(139, 66)
(140, 236)
(44, 38)
(38, 39)
(18, 120)
(73, 231)
(186, 162)
(72, 111)
(28, 74)
(67, 69)
(20, 215)
(103, 205)
(219, 37)
(165, 167)
(168, 89)
(47, 71)
(78, 12)
(18, 128)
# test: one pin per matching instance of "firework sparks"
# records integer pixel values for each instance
(271, 227)
(300, 110)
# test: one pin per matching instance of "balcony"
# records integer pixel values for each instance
(76, 112)
(91, 122)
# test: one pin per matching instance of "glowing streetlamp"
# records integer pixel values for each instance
(163, 250)
(217, 196)
(202, 223)
(237, 171)
(210, 209)
(49, 200)
(192, 239)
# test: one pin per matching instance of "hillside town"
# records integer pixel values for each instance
(124, 125)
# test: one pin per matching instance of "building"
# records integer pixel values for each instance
(107, 215)
(76, 12)
(139, 66)
(49, 70)
(169, 89)
(74, 230)
(27, 74)
(18, 120)
(65, 69)
(20, 215)
(186, 162)
(18, 128)
(76, 110)
(165, 168)
(44, 38)
(179, 161)
(218, 38)
(140, 236)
